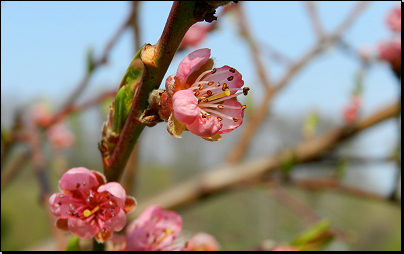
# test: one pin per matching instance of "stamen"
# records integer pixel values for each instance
(209, 92)
(103, 230)
(200, 86)
(71, 206)
(224, 87)
(230, 78)
(61, 196)
(196, 93)
(243, 107)
(213, 71)
(245, 90)
(220, 106)
(211, 83)
(112, 214)
(227, 92)
(84, 183)
(110, 203)
(77, 185)
(220, 119)
(232, 70)
(235, 119)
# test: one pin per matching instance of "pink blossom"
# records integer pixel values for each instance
(40, 114)
(88, 206)
(203, 100)
(351, 113)
(393, 19)
(390, 51)
(155, 229)
(195, 35)
(202, 242)
(60, 136)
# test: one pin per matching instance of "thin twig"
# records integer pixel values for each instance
(314, 18)
(15, 167)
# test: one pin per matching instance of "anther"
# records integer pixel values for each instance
(220, 106)
(84, 183)
(232, 70)
(200, 86)
(204, 115)
(110, 203)
(103, 230)
(103, 212)
(196, 93)
(220, 119)
(205, 100)
(61, 196)
(243, 107)
(77, 185)
(69, 213)
(209, 116)
(209, 92)
(199, 100)
(71, 206)
(213, 71)
(111, 209)
(112, 214)
(235, 119)
(245, 90)
(224, 87)
(230, 78)
(218, 84)
(211, 83)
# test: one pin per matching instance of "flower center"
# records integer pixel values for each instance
(212, 93)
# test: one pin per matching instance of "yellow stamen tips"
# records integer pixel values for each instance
(168, 231)
(227, 92)
(196, 93)
(218, 84)
(224, 87)
(213, 71)
(209, 116)
(205, 100)
(220, 106)
(209, 92)
(232, 70)
(204, 115)
(245, 90)
(243, 107)
(230, 78)
(199, 100)
(200, 86)
(211, 83)
(220, 119)
(87, 212)
(235, 119)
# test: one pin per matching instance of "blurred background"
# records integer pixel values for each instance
(44, 47)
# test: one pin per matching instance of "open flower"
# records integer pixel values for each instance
(203, 100)
(88, 206)
(155, 229)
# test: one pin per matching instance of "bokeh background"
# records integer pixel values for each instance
(43, 57)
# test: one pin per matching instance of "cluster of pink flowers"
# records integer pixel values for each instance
(203, 100)
(88, 206)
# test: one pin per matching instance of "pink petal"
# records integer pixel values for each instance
(148, 214)
(117, 222)
(54, 206)
(205, 127)
(78, 178)
(171, 220)
(228, 124)
(116, 190)
(82, 229)
(192, 62)
(236, 82)
(137, 240)
(185, 106)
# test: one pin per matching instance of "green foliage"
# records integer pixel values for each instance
(73, 244)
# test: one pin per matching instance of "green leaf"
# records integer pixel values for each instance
(73, 244)
(314, 237)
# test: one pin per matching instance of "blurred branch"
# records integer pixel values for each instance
(245, 31)
(335, 185)
(134, 23)
(11, 171)
(259, 115)
(311, 8)
(230, 175)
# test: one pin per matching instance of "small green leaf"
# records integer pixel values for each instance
(90, 60)
(73, 244)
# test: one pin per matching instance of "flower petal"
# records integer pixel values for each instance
(130, 204)
(81, 228)
(137, 240)
(185, 106)
(117, 222)
(228, 124)
(78, 177)
(235, 82)
(192, 62)
(116, 190)
(205, 127)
